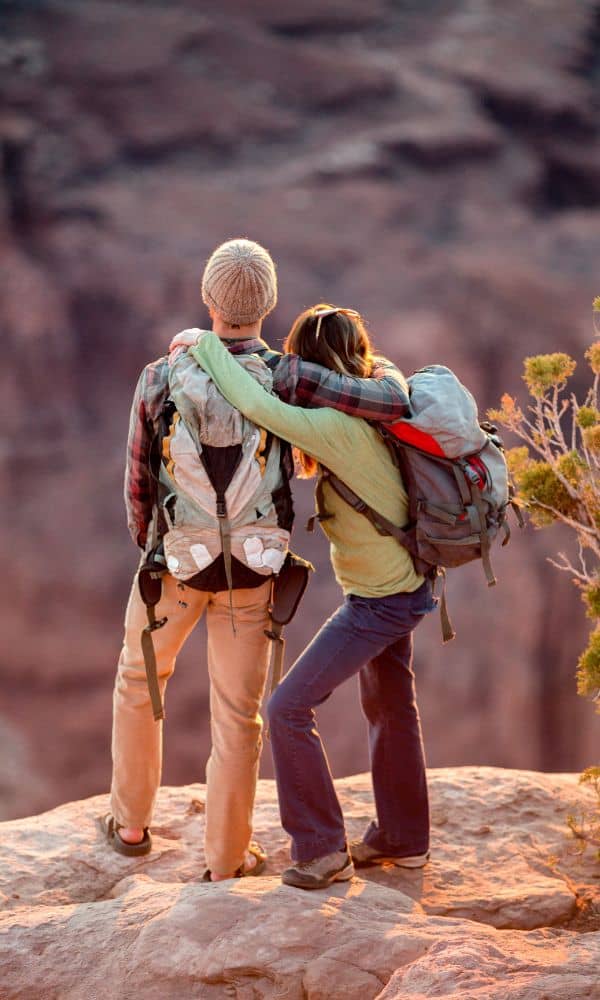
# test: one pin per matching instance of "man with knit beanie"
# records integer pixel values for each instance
(239, 284)
(239, 288)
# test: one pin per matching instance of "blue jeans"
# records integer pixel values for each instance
(373, 637)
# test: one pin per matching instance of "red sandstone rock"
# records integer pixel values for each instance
(447, 187)
(78, 918)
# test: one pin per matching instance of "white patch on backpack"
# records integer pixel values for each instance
(201, 555)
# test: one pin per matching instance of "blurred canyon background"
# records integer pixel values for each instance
(433, 163)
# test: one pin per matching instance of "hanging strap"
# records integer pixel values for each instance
(287, 590)
(277, 654)
(225, 535)
(480, 506)
(150, 587)
(517, 512)
(448, 632)
(152, 538)
(274, 633)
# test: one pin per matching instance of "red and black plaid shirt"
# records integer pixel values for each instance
(382, 397)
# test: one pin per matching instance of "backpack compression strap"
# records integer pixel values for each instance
(472, 493)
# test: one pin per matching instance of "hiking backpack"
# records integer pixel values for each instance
(221, 488)
(455, 474)
(224, 505)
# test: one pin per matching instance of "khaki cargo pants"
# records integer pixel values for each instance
(237, 667)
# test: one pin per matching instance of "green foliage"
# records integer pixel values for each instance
(593, 356)
(538, 483)
(557, 475)
(588, 667)
(590, 776)
(596, 304)
(572, 466)
(591, 598)
(591, 438)
(544, 371)
(587, 830)
(587, 416)
(517, 460)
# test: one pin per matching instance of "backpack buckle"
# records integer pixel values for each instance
(221, 507)
(310, 524)
(153, 626)
(273, 636)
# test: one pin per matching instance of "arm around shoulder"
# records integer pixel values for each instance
(312, 431)
(382, 396)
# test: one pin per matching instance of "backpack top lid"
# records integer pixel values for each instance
(444, 420)
(210, 419)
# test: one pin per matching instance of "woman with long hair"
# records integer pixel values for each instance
(369, 634)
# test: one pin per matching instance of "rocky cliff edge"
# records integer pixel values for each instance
(507, 908)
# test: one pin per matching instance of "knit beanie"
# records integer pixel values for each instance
(239, 282)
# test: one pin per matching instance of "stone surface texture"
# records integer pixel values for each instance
(434, 164)
(507, 908)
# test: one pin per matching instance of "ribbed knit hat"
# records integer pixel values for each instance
(239, 282)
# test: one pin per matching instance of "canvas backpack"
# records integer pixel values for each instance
(221, 487)
(455, 474)
(230, 509)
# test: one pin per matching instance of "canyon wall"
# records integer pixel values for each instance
(435, 164)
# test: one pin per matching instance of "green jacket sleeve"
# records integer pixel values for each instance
(315, 431)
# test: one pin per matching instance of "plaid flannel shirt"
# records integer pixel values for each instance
(382, 397)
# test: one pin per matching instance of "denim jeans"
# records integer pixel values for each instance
(372, 637)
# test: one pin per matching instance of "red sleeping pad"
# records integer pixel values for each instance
(407, 432)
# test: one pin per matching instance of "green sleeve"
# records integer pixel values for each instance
(315, 431)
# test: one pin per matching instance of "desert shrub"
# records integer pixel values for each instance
(557, 474)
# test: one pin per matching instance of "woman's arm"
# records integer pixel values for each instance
(314, 431)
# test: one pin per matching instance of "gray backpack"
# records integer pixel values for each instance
(455, 474)
(240, 521)
(235, 509)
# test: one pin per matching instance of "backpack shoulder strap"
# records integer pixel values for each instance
(161, 429)
(381, 524)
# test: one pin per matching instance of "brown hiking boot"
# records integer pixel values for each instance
(364, 856)
(320, 872)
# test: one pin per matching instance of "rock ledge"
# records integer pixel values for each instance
(495, 914)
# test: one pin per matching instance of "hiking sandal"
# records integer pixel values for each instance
(261, 859)
(243, 872)
(111, 829)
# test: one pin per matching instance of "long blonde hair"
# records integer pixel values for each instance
(335, 338)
